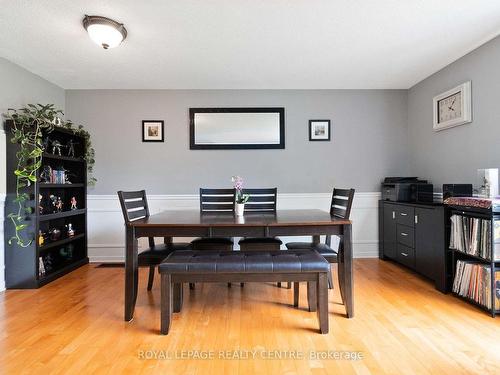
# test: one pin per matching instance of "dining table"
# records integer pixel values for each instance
(193, 223)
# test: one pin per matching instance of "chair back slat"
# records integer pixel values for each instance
(261, 200)
(139, 214)
(132, 194)
(217, 200)
(341, 203)
(134, 206)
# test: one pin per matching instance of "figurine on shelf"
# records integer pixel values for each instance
(41, 238)
(46, 174)
(71, 148)
(59, 204)
(54, 234)
(56, 147)
(73, 203)
(40, 207)
(71, 231)
(45, 144)
(53, 201)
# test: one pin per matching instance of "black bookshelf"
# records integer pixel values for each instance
(61, 254)
(492, 264)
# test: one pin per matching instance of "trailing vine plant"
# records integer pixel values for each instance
(28, 125)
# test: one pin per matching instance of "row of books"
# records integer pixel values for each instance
(473, 281)
(472, 235)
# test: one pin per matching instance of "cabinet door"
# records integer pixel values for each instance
(390, 234)
(426, 246)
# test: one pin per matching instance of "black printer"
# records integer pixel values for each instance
(407, 189)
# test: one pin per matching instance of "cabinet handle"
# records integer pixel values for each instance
(404, 234)
(404, 254)
(403, 214)
(416, 219)
(393, 215)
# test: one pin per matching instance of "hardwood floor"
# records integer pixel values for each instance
(402, 326)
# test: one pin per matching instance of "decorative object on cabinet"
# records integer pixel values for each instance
(413, 235)
(487, 182)
(51, 203)
(319, 130)
(30, 127)
(236, 128)
(456, 190)
(152, 131)
(453, 107)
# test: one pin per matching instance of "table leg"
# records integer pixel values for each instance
(347, 271)
(296, 292)
(131, 272)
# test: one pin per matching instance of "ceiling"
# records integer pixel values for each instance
(246, 44)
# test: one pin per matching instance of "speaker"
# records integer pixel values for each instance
(457, 190)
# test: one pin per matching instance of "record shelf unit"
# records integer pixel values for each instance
(475, 254)
(55, 249)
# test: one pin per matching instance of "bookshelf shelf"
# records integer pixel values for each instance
(64, 241)
(63, 214)
(60, 186)
(65, 158)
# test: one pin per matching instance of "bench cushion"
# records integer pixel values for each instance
(192, 261)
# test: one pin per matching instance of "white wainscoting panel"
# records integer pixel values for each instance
(106, 232)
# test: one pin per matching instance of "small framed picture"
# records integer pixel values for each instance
(319, 130)
(152, 131)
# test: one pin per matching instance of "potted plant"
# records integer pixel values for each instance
(241, 198)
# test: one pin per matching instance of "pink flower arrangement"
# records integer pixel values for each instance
(238, 185)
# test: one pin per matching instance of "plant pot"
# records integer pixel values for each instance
(239, 209)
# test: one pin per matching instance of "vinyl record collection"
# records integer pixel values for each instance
(473, 281)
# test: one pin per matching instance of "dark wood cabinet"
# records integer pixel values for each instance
(414, 236)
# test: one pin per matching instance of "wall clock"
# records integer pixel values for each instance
(453, 107)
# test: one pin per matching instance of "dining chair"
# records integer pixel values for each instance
(215, 201)
(340, 207)
(134, 206)
(260, 201)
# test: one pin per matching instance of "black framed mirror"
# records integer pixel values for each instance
(237, 128)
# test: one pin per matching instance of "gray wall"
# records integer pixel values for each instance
(19, 87)
(454, 155)
(369, 129)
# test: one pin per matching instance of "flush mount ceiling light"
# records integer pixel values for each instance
(104, 31)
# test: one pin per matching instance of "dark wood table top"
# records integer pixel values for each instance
(183, 218)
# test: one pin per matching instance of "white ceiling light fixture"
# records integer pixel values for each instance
(104, 31)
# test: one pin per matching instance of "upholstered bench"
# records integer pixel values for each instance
(239, 266)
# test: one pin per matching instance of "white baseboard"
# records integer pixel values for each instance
(106, 231)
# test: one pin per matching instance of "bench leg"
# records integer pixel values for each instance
(322, 296)
(178, 297)
(296, 292)
(311, 295)
(289, 285)
(166, 303)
